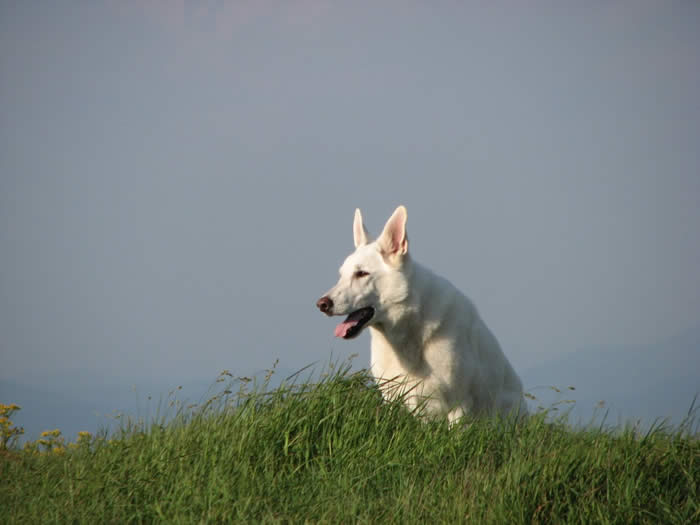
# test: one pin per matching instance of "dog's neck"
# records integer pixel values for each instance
(407, 332)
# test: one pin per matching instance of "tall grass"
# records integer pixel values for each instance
(332, 451)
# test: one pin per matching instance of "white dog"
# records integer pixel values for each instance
(428, 342)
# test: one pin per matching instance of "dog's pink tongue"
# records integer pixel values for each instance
(343, 327)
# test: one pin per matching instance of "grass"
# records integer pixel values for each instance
(332, 451)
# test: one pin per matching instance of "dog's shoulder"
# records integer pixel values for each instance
(440, 298)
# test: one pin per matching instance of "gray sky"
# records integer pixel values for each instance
(177, 181)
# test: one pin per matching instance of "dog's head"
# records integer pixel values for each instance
(372, 279)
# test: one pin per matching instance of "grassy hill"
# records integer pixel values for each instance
(333, 452)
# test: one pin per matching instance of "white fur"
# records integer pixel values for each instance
(428, 341)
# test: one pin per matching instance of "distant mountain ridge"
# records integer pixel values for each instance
(93, 407)
(645, 382)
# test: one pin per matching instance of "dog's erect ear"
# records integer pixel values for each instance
(358, 230)
(393, 242)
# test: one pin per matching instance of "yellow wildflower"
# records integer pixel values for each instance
(8, 432)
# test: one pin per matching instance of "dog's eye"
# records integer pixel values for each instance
(360, 273)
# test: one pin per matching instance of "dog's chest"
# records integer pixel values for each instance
(409, 362)
(385, 363)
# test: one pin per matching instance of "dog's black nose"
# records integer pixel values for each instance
(325, 304)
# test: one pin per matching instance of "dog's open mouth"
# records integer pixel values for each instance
(354, 323)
